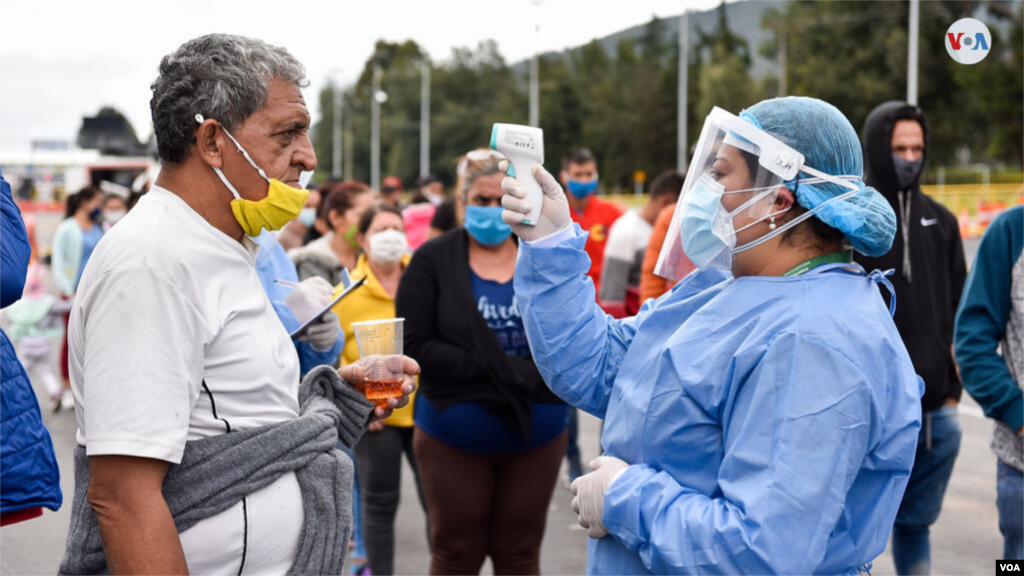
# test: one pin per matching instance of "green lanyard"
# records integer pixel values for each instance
(844, 256)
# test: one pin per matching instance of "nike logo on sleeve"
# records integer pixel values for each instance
(926, 222)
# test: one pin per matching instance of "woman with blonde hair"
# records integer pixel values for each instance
(489, 436)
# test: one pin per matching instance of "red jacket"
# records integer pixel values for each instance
(597, 218)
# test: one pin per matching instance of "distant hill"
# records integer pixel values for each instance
(744, 20)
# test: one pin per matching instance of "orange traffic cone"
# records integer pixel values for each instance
(964, 220)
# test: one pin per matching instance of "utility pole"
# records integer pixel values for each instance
(535, 71)
(349, 166)
(375, 129)
(782, 61)
(534, 92)
(684, 61)
(425, 117)
(336, 166)
(915, 16)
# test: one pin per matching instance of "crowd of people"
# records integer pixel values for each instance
(776, 343)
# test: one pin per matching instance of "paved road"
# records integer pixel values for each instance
(965, 540)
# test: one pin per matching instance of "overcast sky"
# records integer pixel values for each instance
(61, 60)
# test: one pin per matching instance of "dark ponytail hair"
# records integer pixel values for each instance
(76, 200)
(813, 230)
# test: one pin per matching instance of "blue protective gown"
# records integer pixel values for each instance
(770, 423)
(273, 263)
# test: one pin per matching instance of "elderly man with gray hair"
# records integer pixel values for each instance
(198, 448)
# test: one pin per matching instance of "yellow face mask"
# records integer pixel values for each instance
(281, 205)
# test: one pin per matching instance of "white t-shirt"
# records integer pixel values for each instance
(624, 255)
(172, 338)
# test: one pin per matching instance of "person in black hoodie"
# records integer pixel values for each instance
(928, 258)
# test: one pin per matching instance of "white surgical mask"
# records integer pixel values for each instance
(307, 217)
(112, 216)
(388, 246)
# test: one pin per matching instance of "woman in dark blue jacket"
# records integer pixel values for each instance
(30, 479)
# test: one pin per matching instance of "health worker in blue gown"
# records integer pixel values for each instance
(762, 416)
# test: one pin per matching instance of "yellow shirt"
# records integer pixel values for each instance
(368, 302)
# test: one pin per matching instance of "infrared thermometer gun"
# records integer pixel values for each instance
(524, 147)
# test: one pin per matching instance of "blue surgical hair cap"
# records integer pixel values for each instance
(820, 132)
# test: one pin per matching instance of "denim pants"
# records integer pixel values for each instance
(937, 447)
(1010, 502)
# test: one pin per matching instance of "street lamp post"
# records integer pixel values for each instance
(535, 72)
(684, 60)
(782, 62)
(915, 16)
(336, 169)
(534, 93)
(337, 123)
(425, 117)
(375, 129)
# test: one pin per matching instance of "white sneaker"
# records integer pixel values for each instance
(67, 400)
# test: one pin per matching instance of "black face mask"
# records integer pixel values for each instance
(906, 172)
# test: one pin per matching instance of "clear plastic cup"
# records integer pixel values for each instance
(380, 353)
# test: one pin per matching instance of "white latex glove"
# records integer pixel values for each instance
(554, 214)
(309, 297)
(321, 335)
(588, 493)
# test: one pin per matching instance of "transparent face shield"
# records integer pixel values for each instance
(731, 186)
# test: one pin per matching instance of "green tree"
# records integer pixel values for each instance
(724, 77)
(854, 55)
(469, 92)
(562, 111)
(992, 95)
(622, 106)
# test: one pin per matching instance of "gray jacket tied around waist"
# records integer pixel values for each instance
(217, 472)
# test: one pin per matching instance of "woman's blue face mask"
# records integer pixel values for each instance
(485, 225)
(706, 228)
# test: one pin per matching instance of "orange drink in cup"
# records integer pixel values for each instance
(380, 353)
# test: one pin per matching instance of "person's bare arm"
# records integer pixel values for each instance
(139, 536)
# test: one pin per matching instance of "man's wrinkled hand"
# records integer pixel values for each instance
(355, 375)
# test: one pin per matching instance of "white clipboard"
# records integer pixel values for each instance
(349, 285)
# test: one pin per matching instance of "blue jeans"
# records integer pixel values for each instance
(922, 501)
(1010, 502)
